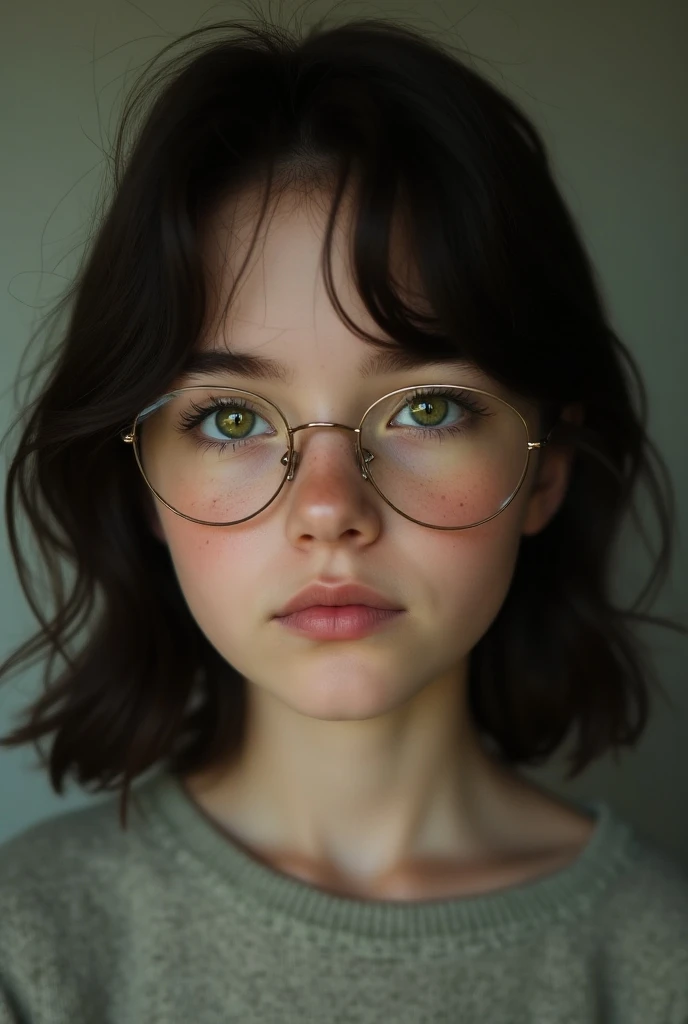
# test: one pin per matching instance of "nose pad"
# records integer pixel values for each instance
(296, 458)
(292, 463)
(363, 462)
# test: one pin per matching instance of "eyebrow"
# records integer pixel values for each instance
(214, 361)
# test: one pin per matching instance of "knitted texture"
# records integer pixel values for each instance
(171, 922)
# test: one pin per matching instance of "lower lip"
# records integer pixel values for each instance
(342, 622)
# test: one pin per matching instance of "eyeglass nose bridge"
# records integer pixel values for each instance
(292, 458)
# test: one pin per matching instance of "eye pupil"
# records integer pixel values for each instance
(236, 423)
(429, 411)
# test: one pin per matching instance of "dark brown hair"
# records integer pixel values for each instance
(510, 287)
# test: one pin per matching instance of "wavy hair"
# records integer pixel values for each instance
(511, 288)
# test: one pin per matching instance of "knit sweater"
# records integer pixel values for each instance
(172, 922)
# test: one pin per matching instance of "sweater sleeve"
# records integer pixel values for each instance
(41, 978)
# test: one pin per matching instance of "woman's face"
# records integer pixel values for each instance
(329, 525)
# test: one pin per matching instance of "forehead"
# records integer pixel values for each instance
(281, 328)
(268, 281)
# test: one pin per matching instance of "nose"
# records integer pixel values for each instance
(361, 462)
(328, 499)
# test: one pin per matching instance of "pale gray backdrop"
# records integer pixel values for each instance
(606, 82)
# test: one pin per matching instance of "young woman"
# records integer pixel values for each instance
(338, 441)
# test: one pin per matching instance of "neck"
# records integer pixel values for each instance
(361, 803)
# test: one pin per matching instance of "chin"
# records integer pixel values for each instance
(347, 689)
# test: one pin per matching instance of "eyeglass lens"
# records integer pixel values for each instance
(444, 456)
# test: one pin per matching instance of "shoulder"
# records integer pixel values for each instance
(75, 892)
(76, 867)
(652, 892)
(64, 899)
(58, 849)
(639, 933)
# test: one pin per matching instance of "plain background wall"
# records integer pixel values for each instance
(606, 82)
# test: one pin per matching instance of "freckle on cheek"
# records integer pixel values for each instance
(476, 494)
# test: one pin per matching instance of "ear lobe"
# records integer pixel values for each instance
(548, 491)
(552, 478)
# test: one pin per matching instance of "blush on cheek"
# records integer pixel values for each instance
(465, 573)
(461, 499)
(220, 565)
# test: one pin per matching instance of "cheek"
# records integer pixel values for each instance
(454, 582)
(467, 574)
(217, 572)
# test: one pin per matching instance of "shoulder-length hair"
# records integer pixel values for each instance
(510, 287)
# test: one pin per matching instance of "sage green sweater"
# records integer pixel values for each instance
(169, 922)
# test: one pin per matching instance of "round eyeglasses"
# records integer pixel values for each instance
(442, 456)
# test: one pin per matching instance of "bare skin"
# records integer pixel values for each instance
(361, 771)
(546, 835)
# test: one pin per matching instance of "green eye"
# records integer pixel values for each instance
(429, 411)
(234, 423)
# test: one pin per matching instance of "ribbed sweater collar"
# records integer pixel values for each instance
(193, 839)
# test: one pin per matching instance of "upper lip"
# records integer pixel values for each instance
(349, 593)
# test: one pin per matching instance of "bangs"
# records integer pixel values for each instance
(318, 124)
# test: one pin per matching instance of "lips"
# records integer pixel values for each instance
(319, 594)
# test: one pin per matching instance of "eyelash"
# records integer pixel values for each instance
(189, 420)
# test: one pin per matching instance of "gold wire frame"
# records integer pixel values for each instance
(290, 459)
